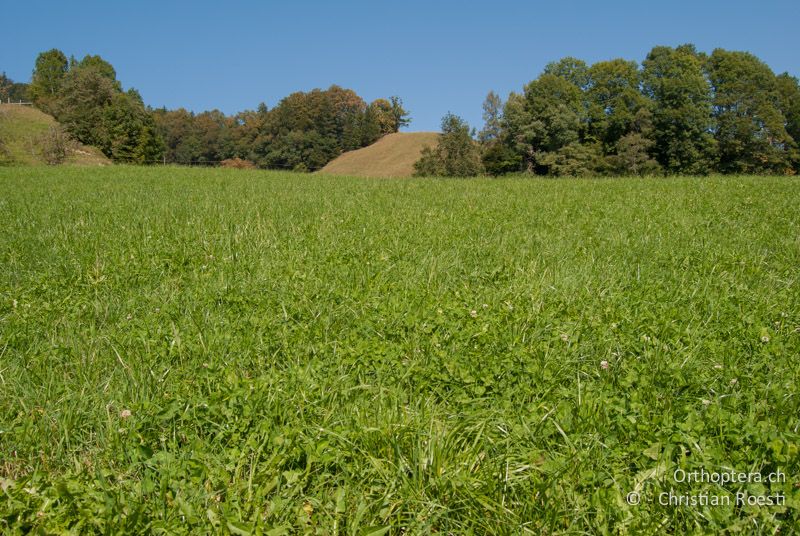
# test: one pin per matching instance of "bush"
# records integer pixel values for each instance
(633, 156)
(5, 154)
(237, 163)
(573, 160)
(55, 145)
(499, 159)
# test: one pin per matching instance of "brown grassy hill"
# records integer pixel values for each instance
(391, 156)
(21, 129)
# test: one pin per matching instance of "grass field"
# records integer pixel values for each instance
(208, 351)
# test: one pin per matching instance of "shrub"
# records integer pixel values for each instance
(5, 155)
(237, 163)
(55, 145)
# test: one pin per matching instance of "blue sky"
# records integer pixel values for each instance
(438, 56)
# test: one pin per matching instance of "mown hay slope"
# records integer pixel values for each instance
(391, 156)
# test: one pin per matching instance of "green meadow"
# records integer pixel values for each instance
(246, 352)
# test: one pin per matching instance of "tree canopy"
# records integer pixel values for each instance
(680, 111)
(13, 91)
(91, 104)
(456, 154)
(750, 127)
(304, 131)
(49, 72)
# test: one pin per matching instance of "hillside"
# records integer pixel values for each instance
(391, 156)
(21, 128)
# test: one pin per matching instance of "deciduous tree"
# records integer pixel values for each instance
(12, 91)
(573, 70)
(750, 127)
(674, 80)
(83, 97)
(492, 118)
(549, 116)
(614, 100)
(400, 114)
(456, 154)
(48, 74)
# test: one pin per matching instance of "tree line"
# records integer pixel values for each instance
(680, 111)
(303, 132)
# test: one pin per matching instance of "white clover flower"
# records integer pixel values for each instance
(604, 364)
(125, 413)
(473, 313)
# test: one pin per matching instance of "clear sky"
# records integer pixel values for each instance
(438, 56)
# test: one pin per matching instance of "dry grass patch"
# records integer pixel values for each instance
(391, 156)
